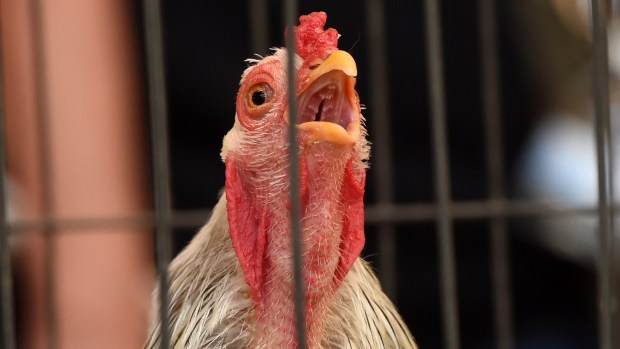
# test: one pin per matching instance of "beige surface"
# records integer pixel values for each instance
(99, 157)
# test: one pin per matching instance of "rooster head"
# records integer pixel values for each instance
(332, 150)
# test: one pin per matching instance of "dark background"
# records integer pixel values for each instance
(554, 299)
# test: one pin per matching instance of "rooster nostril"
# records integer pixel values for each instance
(315, 64)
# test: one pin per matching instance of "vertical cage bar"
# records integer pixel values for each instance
(45, 153)
(290, 14)
(491, 103)
(605, 171)
(7, 322)
(442, 175)
(607, 9)
(382, 147)
(161, 169)
(259, 26)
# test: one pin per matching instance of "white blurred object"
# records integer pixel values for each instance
(559, 167)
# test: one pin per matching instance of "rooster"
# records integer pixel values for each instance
(232, 287)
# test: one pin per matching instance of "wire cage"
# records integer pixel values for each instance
(446, 98)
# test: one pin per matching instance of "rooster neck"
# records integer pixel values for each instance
(258, 204)
(322, 229)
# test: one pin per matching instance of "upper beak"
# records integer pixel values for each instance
(339, 60)
(328, 104)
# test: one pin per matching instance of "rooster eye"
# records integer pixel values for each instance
(259, 94)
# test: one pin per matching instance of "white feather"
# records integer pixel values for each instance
(210, 305)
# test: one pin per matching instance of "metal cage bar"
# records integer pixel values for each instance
(374, 214)
(44, 147)
(442, 175)
(7, 320)
(491, 102)
(259, 19)
(161, 167)
(290, 18)
(383, 164)
(604, 157)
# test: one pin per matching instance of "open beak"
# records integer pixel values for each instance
(328, 106)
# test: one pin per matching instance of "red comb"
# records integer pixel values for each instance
(312, 40)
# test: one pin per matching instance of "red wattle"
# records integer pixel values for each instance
(353, 238)
(248, 228)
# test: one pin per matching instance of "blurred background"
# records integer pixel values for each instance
(80, 184)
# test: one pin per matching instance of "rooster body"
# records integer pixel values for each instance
(211, 307)
(232, 287)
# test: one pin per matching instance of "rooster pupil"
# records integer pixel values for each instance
(259, 97)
